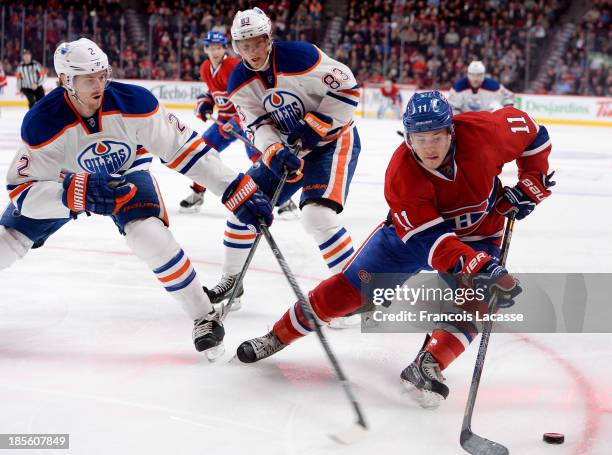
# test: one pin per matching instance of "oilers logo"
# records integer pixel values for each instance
(285, 109)
(105, 157)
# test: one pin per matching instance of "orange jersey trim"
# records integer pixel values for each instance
(20, 189)
(190, 149)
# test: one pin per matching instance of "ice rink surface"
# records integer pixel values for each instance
(91, 345)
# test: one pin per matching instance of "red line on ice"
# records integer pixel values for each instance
(592, 409)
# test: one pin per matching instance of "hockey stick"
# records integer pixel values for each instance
(226, 308)
(232, 132)
(358, 430)
(471, 442)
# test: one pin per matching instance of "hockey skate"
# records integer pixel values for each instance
(424, 381)
(223, 290)
(288, 211)
(259, 348)
(193, 202)
(208, 334)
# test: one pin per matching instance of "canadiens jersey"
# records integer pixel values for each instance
(489, 97)
(123, 136)
(393, 93)
(301, 79)
(216, 81)
(435, 213)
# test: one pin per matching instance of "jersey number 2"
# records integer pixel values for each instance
(24, 164)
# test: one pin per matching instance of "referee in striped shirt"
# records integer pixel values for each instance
(30, 78)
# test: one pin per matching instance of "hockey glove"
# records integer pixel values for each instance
(249, 204)
(310, 129)
(102, 194)
(226, 129)
(524, 196)
(484, 273)
(204, 105)
(279, 158)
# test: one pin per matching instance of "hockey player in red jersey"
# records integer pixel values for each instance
(447, 208)
(391, 99)
(215, 72)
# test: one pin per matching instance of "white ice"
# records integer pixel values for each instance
(91, 345)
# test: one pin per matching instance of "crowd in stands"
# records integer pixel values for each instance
(423, 42)
(172, 44)
(585, 67)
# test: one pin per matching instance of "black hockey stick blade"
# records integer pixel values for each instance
(477, 445)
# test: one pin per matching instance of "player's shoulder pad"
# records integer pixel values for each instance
(233, 61)
(404, 171)
(461, 84)
(239, 76)
(490, 84)
(129, 99)
(473, 121)
(205, 65)
(47, 119)
(295, 57)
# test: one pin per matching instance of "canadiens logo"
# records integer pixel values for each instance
(221, 100)
(285, 109)
(104, 157)
(465, 220)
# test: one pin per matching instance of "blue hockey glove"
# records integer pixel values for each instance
(102, 194)
(310, 129)
(232, 124)
(485, 274)
(204, 105)
(279, 158)
(249, 204)
(524, 196)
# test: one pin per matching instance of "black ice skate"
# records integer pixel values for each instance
(259, 348)
(288, 211)
(193, 202)
(222, 291)
(208, 334)
(423, 378)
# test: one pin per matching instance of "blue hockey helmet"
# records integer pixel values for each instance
(427, 111)
(215, 38)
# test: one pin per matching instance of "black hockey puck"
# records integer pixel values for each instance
(554, 438)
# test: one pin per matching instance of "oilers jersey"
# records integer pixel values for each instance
(490, 96)
(301, 79)
(123, 136)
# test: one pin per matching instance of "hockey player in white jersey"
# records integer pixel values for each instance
(476, 92)
(87, 147)
(285, 93)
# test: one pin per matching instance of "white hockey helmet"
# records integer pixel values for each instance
(249, 24)
(476, 73)
(79, 57)
(476, 67)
